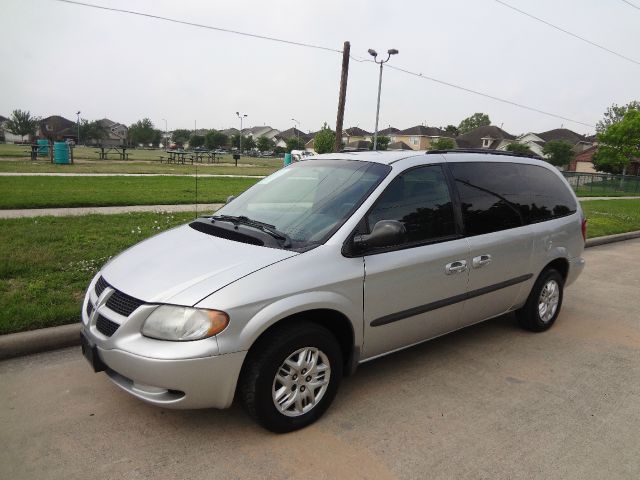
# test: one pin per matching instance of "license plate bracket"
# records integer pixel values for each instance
(90, 352)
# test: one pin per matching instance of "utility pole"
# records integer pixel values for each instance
(346, 49)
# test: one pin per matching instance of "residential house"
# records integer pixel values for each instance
(391, 133)
(281, 138)
(355, 134)
(358, 145)
(488, 137)
(583, 162)
(8, 137)
(536, 141)
(116, 133)
(419, 137)
(58, 128)
(264, 131)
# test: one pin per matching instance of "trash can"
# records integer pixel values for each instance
(61, 153)
(43, 147)
(287, 159)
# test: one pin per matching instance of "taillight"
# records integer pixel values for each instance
(584, 229)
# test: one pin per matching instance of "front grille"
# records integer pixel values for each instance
(101, 284)
(89, 309)
(122, 303)
(106, 326)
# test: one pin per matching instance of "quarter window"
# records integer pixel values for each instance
(420, 200)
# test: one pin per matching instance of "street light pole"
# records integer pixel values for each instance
(297, 135)
(240, 116)
(374, 54)
(165, 134)
(78, 114)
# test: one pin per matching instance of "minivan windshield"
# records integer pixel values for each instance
(308, 201)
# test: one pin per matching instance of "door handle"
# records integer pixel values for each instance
(455, 267)
(481, 260)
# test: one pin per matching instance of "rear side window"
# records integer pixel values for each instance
(490, 196)
(499, 196)
(420, 199)
(549, 197)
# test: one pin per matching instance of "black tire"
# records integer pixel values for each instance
(529, 315)
(265, 360)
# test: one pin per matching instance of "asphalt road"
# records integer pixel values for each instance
(488, 402)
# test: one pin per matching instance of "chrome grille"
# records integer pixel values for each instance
(106, 326)
(101, 284)
(122, 303)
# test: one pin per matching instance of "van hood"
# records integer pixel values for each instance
(182, 266)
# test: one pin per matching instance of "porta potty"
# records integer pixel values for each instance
(61, 153)
(43, 147)
(287, 159)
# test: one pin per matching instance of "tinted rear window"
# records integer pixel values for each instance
(498, 196)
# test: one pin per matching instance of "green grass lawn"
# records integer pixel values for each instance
(606, 217)
(43, 192)
(46, 262)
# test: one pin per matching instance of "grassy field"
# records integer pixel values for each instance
(606, 217)
(46, 262)
(43, 192)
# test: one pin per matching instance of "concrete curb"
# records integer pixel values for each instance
(620, 237)
(44, 339)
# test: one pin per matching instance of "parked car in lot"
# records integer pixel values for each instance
(324, 265)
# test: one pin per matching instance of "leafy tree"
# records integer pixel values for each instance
(294, 143)
(247, 142)
(519, 148)
(156, 140)
(215, 139)
(94, 130)
(474, 121)
(196, 141)
(279, 150)
(264, 143)
(452, 129)
(558, 152)
(383, 142)
(325, 140)
(619, 143)
(22, 123)
(442, 143)
(180, 136)
(141, 132)
(614, 114)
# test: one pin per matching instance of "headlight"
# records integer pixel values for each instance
(181, 324)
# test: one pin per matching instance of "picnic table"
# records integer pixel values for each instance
(121, 151)
(182, 156)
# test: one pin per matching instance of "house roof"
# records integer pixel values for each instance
(421, 130)
(561, 134)
(388, 131)
(473, 139)
(56, 125)
(294, 132)
(355, 132)
(398, 146)
(3, 119)
(230, 131)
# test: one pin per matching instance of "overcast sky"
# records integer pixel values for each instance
(60, 58)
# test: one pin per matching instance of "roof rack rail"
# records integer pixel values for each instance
(486, 152)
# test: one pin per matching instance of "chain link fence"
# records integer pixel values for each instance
(603, 184)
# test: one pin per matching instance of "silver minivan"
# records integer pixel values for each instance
(324, 265)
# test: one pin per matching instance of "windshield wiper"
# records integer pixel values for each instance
(248, 222)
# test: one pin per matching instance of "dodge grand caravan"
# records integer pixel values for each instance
(326, 264)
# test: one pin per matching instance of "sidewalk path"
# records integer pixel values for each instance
(53, 174)
(63, 212)
(584, 199)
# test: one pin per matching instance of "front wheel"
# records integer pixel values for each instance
(544, 302)
(291, 377)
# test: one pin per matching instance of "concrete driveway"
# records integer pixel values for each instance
(489, 402)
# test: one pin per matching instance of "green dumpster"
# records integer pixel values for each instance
(43, 147)
(287, 159)
(61, 153)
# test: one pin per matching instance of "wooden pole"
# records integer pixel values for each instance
(343, 94)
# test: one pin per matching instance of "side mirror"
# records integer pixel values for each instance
(385, 233)
(230, 198)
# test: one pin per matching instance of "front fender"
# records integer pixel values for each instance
(289, 306)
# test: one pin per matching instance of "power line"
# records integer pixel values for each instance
(199, 25)
(568, 32)
(631, 4)
(319, 47)
(486, 95)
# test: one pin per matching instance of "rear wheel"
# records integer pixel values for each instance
(544, 302)
(291, 377)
